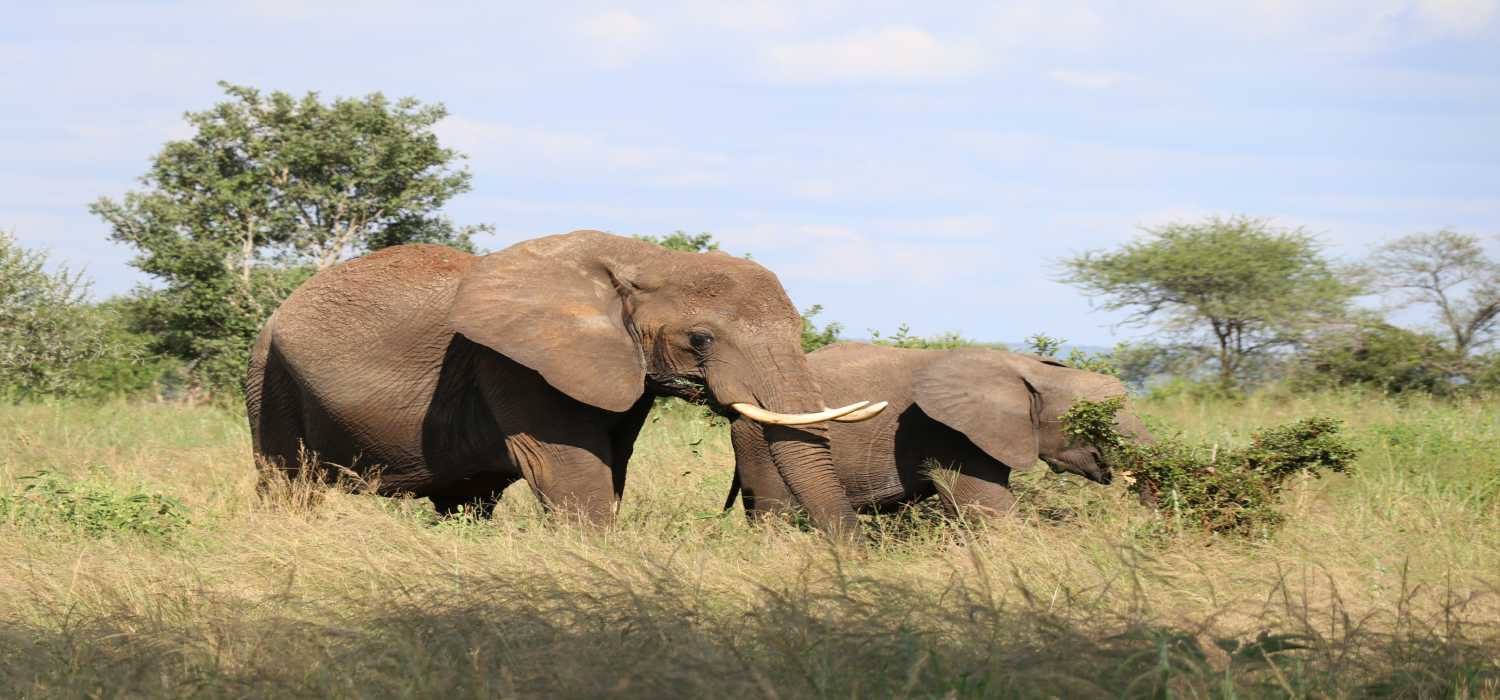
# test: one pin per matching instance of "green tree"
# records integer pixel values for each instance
(1231, 290)
(1448, 272)
(269, 189)
(40, 339)
(1380, 356)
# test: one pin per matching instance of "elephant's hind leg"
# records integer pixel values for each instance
(983, 491)
(275, 411)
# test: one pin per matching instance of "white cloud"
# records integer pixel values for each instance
(899, 53)
(1050, 24)
(1092, 80)
(1459, 17)
(761, 16)
(615, 38)
(1337, 26)
(816, 251)
(528, 149)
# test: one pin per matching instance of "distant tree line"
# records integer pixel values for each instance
(271, 188)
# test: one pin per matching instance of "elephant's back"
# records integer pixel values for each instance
(852, 371)
(369, 303)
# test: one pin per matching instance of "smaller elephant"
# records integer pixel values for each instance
(977, 413)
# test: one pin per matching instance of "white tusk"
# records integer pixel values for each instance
(761, 415)
(865, 413)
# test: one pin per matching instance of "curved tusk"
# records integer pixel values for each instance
(865, 413)
(761, 415)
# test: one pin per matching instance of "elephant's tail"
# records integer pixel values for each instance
(734, 491)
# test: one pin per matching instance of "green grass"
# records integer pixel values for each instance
(1383, 583)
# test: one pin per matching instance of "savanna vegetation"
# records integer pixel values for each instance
(138, 560)
(1323, 513)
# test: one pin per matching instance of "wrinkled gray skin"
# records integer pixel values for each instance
(980, 411)
(452, 375)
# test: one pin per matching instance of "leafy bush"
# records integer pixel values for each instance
(1379, 356)
(40, 314)
(903, 338)
(1048, 346)
(814, 337)
(683, 241)
(91, 507)
(54, 344)
(1233, 493)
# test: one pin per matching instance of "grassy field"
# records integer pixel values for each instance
(1383, 583)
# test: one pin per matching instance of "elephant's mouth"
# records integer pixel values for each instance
(1092, 468)
(683, 386)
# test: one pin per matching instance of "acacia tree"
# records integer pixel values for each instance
(1230, 291)
(1449, 272)
(269, 189)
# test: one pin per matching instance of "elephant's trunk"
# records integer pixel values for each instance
(801, 453)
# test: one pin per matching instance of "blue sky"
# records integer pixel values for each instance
(890, 163)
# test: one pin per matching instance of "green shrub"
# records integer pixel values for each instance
(91, 507)
(41, 314)
(903, 338)
(1048, 346)
(1234, 492)
(814, 337)
(1382, 357)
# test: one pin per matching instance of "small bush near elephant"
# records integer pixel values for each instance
(91, 507)
(1233, 492)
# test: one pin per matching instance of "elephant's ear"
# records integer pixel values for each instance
(555, 306)
(982, 395)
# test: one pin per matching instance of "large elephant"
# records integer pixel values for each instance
(452, 375)
(977, 413)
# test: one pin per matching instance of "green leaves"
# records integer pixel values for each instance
(1232, 290)
(683, 241)
(1093, 423)
(43, 325)
(1231, 492)
(814, 337)
(903, 338)
(92, 507)
(269, 189)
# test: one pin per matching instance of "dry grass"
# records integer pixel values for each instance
(1383, 583)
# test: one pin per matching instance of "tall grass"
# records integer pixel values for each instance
(1384, 583)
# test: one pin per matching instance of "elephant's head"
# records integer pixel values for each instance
(605, 319)
(1011, 405)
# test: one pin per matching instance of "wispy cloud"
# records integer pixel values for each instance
(896, 53)
(615, 38)
(1092, 80)
(519, 149)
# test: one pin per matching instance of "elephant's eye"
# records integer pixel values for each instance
(700, 341)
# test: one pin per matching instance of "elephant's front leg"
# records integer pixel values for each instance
(982, 490)
(573, 480)
(763, 490)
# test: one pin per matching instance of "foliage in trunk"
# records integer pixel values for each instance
(1229, 492)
